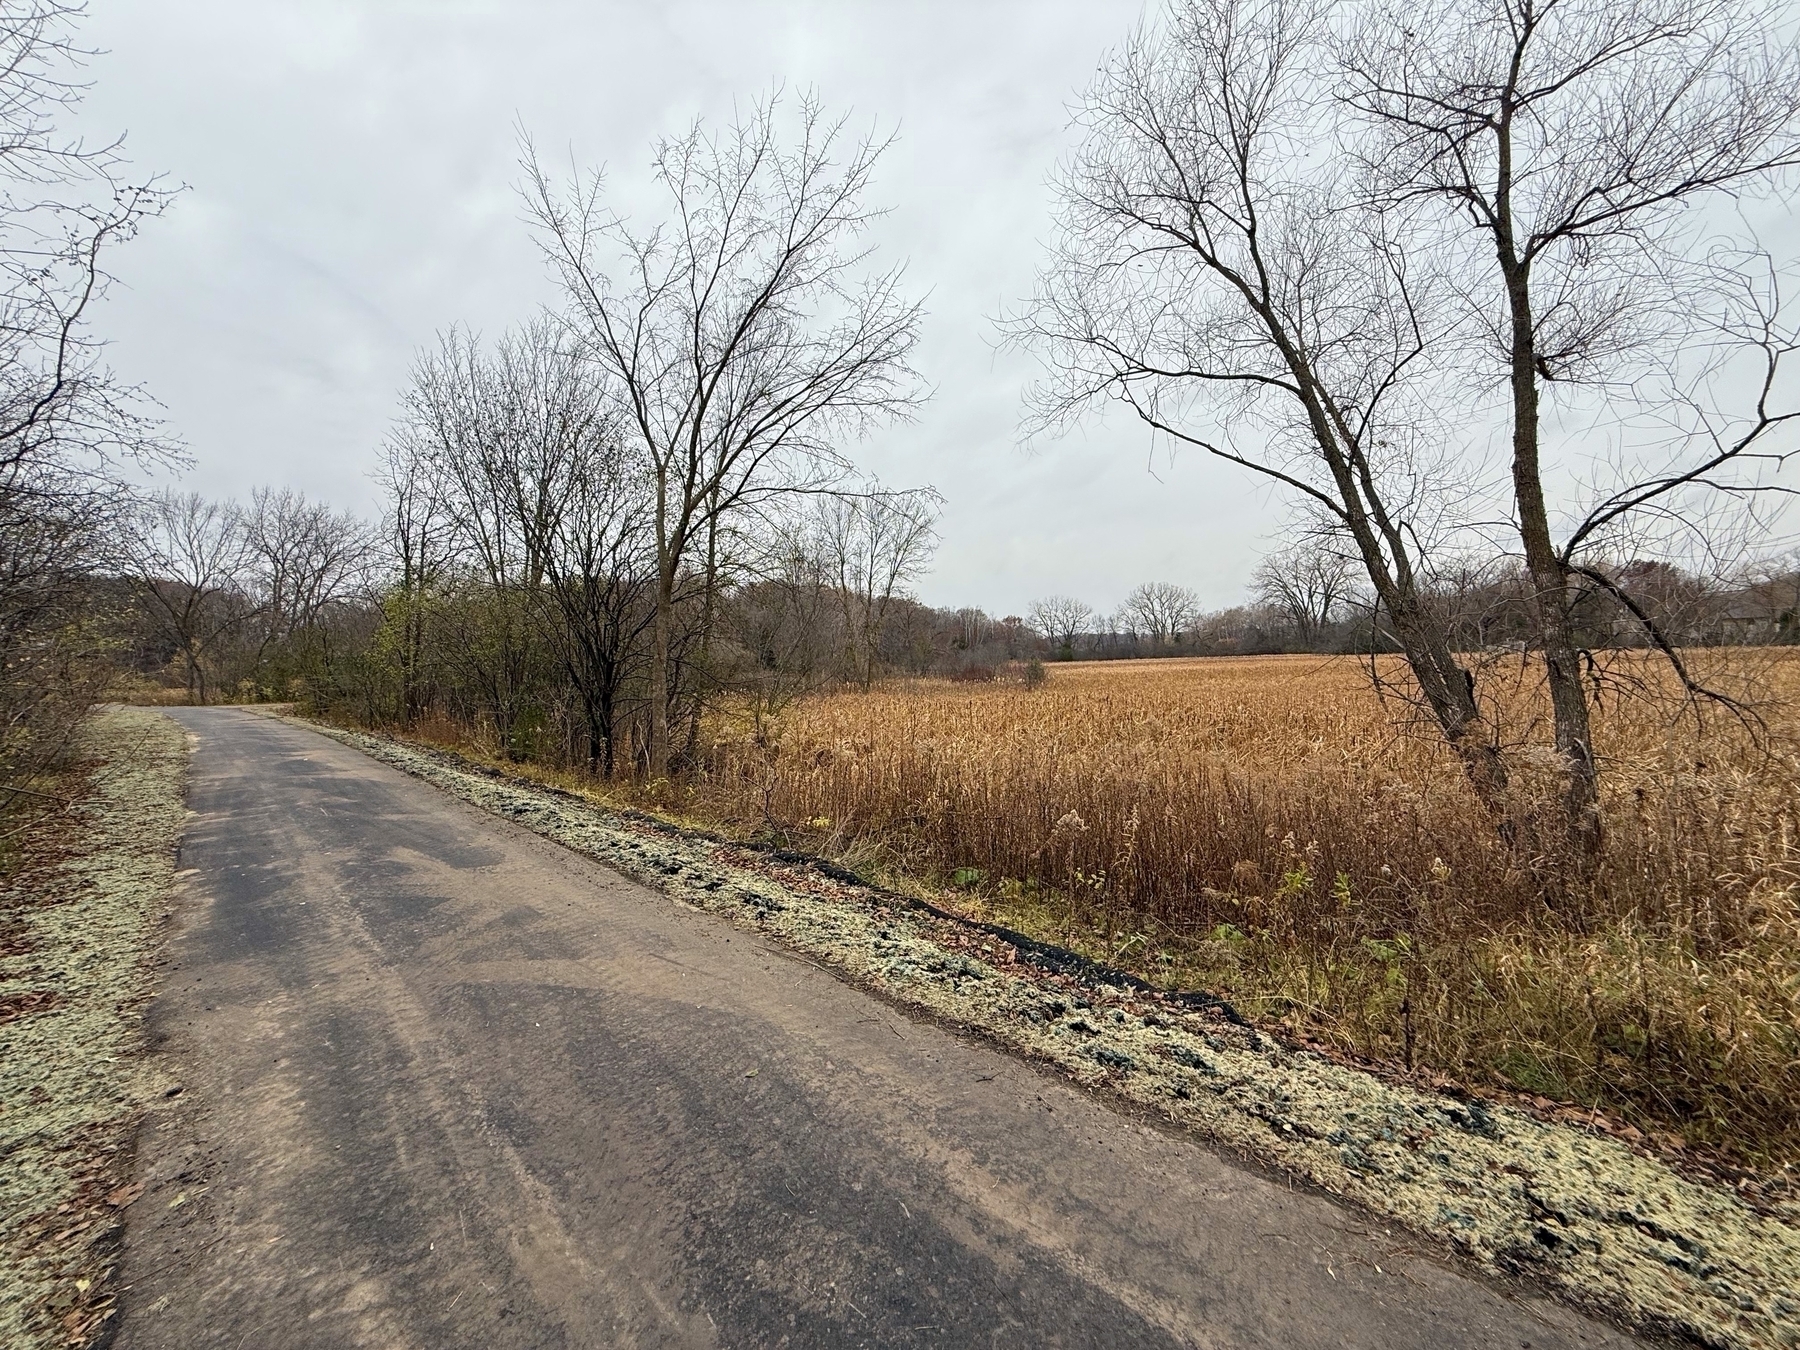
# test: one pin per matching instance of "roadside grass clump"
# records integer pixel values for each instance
(1273, 830)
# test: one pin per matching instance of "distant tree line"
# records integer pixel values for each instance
(1309, 600)
(509, 588)
(522, 616)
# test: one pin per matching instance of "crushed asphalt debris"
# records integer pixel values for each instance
(1614, 1229)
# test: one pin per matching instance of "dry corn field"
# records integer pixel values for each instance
(1268, 828)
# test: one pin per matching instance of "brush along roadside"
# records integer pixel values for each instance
(1580, 1210)
(80, 914)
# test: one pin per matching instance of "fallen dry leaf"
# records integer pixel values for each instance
(125, 1195)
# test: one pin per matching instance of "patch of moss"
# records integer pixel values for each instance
(81, 924)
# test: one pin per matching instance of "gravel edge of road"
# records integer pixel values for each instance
(81, 928)
(1613, 1230)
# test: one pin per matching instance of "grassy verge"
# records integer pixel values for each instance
(1610, 1223)
(82, 899)
(1695, 1051)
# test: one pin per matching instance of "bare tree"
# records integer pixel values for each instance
(66, 422)
(1307, 582)
(1565, 145)
(191, 562)
(1060, 619)
(303, 557)
(457, 412)
(418, 549)
(969, 628)
(1161, 611)
(1223, 276)
(873, 543)
(515, 459)
(579, 491)
(744, 335)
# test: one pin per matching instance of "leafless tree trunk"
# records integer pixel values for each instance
(873, 543)
(1306, 581)
(191, 561)
(1162, 611)
(1240, 297)
(581, 494)
(1573, 139)
(417, 549)
(1061, 619)
(519, 454)
(743, 334)
(467, 414)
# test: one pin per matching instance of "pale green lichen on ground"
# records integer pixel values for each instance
(80, 929)
(1614, 1228)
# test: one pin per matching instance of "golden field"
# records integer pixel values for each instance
(1272, 829)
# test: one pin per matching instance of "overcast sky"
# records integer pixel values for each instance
(352, 171)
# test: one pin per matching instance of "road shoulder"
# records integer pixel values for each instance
(80, 920)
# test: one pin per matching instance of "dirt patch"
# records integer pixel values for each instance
(82, 911)
(1577, 1209)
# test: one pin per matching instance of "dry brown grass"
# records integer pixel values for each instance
(1269, 828)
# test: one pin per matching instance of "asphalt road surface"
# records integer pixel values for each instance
(445, 1084)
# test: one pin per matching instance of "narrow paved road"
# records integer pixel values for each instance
(444, 1084)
